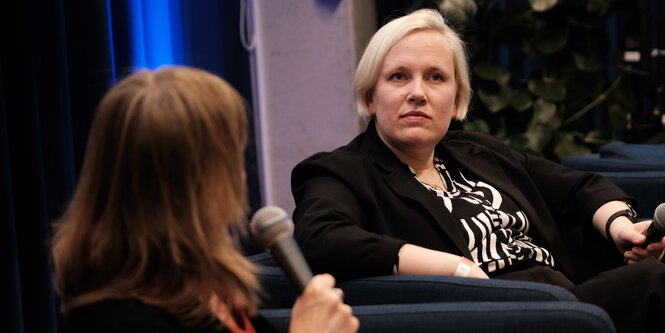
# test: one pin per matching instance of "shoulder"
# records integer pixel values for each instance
(343, 166)
(338, 158)
(342, 160)
(365, 152)
(120, 315)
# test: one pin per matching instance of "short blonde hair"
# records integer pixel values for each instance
(385, 38)
(161, 183)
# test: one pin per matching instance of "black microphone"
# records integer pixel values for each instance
(656, 229)
(273, 229)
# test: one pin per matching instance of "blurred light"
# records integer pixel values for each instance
(109, 22)
(156, 33)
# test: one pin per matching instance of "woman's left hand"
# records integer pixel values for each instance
(637, 252)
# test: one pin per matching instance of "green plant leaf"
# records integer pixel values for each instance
(598, 137)
(566, 146)
(555, 75)
(460, 11)
(543, 111)
(594, 136)
(537, 136)
(517, 142)
(527, 48)
(586, 64)
(477, 125)
(623, 95)
(630, 70)
(582, 87)
(542, 5)
(520, 100)
(492, 72)
(548, 43)
(575, 21)
(598, 7)
(501, 129)
(600, 99)
(544, 123)
(495, 101)
(656, 139)
(552, 90)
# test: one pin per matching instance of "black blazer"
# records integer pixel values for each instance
(356, 206)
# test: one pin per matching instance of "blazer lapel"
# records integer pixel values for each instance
(401, 181)
(481, 164)
(406, 186)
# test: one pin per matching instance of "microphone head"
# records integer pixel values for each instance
(269, 224)
(659, 217)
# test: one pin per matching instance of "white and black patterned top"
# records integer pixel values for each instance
(496, 230)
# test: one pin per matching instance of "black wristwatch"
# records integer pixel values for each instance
(629, 213)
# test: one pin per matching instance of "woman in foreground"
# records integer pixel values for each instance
(147, 243)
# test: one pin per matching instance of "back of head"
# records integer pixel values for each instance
(385, 38)
(162, 181)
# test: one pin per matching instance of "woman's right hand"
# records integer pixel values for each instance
(320, 308)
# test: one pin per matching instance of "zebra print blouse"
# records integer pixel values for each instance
(496, 230)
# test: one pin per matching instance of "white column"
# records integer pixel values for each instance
(303, 67)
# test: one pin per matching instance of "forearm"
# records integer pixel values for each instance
(418, 260)
(626, 235)
(601, 216)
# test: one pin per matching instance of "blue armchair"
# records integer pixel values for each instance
(639, 169)
(471, 317)
(415, 303)
(409, 303)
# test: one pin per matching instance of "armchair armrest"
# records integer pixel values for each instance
(497, 317)
(643, 180)
(426, 303)
(648, 187)
(406, 289)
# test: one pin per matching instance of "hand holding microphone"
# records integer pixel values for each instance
(654, 232)
(273, 229)
(319, 308)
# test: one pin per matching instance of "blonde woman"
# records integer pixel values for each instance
(408, 196)
(147, 244)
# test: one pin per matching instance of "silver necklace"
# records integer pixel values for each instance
(436, 186)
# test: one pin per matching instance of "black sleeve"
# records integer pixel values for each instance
(570, 195)
(334, 210)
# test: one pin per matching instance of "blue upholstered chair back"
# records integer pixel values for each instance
(638, 169)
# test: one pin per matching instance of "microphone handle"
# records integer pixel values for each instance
(653, 235)
(289, 256)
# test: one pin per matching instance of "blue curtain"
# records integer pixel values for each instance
(58, 59)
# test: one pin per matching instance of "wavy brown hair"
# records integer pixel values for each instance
(161, 190)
